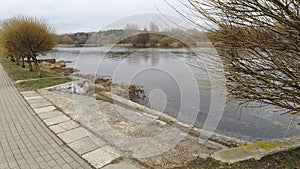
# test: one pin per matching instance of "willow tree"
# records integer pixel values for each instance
(28, 37)
(259, 41)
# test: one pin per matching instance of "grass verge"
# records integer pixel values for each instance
(38, 84)
(16, 72)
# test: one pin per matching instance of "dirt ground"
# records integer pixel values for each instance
(288, 159)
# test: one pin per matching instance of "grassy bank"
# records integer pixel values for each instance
(16, 72)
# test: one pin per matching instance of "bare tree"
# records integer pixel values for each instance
(27, 37)
(259, 41)
(67, 40)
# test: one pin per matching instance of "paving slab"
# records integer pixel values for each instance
(84, 145)
(120, 166)
(57, 129)
(100, 157)
(29, 94)
(73, 135)
(39, 103)
(56, 120)
(33, 97)
(34, 101)
(68, 125)
(50, 114)
(44, 109)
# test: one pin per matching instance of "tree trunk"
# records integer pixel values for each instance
(23, 64)
(37, 67)
(29, 64)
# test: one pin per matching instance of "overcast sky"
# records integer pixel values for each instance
(81, 15)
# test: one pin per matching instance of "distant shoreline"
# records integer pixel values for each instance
(203, 44)
(93, 45)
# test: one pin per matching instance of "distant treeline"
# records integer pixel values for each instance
(140, 38)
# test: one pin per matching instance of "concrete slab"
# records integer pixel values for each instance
(68, 125)
(128, 123)
(73, 135)
(50, 114)
(56, 120)
(134, 116)
(257, 150)
(84, 145)
(237, 154)
(33, 97)
(100, 157)
(29, 94)
(44, 109)
(57, 129)
(97, 140)
(120, 166)
(39, 103)
(37, 100)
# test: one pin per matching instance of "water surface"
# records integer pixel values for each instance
(249, 123)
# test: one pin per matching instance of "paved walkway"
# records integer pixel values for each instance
(72, 133)
(25, 141)
(113, 136)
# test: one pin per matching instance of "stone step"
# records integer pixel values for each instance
(256, 150)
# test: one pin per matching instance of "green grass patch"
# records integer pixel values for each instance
(42, 83)
(16, 72)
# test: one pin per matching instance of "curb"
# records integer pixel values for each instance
(256, 150)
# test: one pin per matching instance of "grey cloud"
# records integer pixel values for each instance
(79, 15)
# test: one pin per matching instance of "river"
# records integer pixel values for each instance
(248, 123)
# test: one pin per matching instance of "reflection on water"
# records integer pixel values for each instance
(250, 123)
